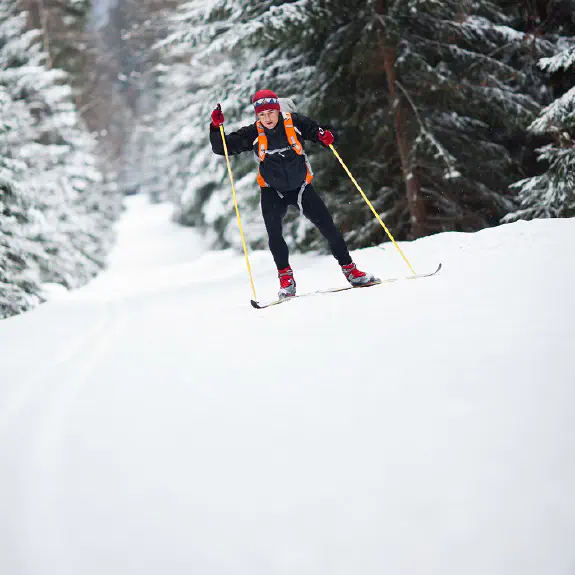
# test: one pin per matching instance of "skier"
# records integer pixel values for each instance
(285, 179)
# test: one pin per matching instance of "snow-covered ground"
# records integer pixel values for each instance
(153, 422)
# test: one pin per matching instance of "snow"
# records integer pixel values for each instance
(564, 59)
(557, 115)
(153, 422)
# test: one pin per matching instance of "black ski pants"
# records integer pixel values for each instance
(274, 209)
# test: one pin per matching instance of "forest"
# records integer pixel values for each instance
(455, 115)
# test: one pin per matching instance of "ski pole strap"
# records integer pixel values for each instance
(238, 212)
(372, 208)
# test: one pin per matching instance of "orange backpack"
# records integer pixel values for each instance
(294, 144)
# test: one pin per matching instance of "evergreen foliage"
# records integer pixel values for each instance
(62, 24)
(222, 52)
(440, 108)
(55, 216)
(126, 91)
(552, 194)
(207, 63)
(453, 118)
(468, 88)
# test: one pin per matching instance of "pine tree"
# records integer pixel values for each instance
(19, 286)
(222, 52)
(552, 194)
(62, 24)
(56, 216)
(121, 91)
(207, 62)
(431, 102)
(461, 88)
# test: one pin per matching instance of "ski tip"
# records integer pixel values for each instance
(255, 304)
(439, 267)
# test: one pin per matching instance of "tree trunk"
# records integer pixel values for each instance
(38, 20)
(411, 179)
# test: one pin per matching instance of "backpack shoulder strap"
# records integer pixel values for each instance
(291, 134)
(262, 141)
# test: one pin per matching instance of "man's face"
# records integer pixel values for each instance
(269, 118)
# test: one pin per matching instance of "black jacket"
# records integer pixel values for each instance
(285, 171)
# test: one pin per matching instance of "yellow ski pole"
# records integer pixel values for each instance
(372, 208)
(238, 211)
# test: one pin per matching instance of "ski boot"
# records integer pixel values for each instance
(287, 283)
(356, 277)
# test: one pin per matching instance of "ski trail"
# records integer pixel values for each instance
(164, 426)
(151, 255)
(31, 387)
(33, 432)
(43, 468)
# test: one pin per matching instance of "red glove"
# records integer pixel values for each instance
(325, 137)
(217, 117)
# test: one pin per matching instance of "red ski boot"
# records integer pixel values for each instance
(356, 277)
(287, 283)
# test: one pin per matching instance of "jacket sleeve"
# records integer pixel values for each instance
(306, 126)
(237, 142)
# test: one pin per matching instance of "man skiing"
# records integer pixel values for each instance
(285, 179)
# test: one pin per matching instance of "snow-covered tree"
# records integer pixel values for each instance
(552, 194)
(19, 287)
(430, 101)
(120, 95)
(207, 61)
(62, 25)
(462, 88)
(55, 215)
(222, 52)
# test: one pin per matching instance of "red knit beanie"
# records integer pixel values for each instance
(265, 100)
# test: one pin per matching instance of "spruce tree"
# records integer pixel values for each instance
(206, 62)
(430, 101)
(552, 193)
(222, 52)
(19, 286)
(56, 217)
(462, 88)
(62, 25)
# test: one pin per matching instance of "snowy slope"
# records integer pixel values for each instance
(153, 422)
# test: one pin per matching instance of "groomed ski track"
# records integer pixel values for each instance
(152, 422)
